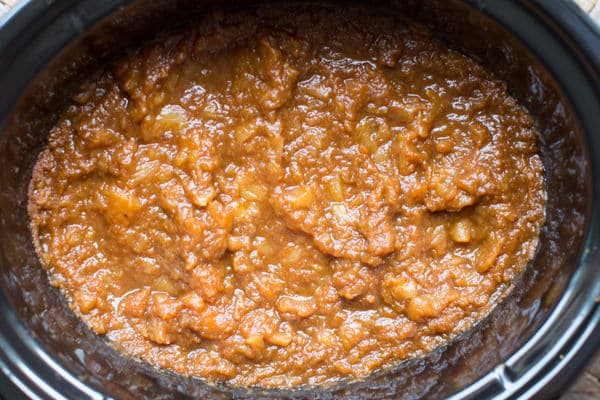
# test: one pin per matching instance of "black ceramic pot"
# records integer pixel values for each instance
(532, 345)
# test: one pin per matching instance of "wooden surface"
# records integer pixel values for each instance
(587, 387)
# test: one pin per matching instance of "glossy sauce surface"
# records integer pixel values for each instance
(281, 198)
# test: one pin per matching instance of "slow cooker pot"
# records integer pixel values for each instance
(532, 344)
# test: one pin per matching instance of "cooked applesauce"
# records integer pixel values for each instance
(288, 197)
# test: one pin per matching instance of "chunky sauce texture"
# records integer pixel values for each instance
(280, 198)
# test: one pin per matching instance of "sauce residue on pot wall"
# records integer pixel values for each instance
(282, 198)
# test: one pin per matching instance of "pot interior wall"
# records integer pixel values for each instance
(40, 308)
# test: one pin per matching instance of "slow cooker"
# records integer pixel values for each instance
(532, 345)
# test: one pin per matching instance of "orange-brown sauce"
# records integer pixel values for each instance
(288, 198)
